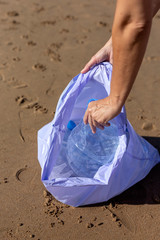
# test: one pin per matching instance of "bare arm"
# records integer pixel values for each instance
(106, 53)
(130, 34)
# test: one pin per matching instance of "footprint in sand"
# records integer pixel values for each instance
(16, 59)
(11, 28)
(94, 223)
(17, 49)
(148, 126)
(90, 225)
(13, 14)
(152, 58)
(64, 30)
(39, 9)
(15, 83)
(54, 208)
(70, 17)
(102, 24)
(4, 20)
(52, 51)
(15, 22)
(50, 91)
(121, 217)
(80, 219)
(39, 66)
(56, 46)
(48, 22)
(40, 109)
(31, 43)
(26, 103)
(9, 43)
(24, 36)
(54, 56)
(4, 180)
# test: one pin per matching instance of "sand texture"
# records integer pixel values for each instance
(43, 45)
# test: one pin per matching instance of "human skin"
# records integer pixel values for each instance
(130, 34)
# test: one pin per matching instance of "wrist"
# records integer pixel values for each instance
(109, 42)
(116, 100)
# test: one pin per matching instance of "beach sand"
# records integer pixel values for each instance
(43, 45)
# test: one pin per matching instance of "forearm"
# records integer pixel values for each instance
(130, 35)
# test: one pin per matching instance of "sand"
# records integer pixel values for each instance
(43, 45)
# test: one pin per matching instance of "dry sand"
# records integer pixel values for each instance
(43, 44)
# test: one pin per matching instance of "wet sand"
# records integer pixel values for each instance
(43, 45)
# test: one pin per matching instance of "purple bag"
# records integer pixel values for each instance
(133, 160)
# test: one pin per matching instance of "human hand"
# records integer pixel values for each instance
(104, 54)
(100, 112)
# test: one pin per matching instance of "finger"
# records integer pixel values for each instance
(96, 124)
(90, 64)
(93, 128)
(107, 124)
(85, 118)
(100, 126)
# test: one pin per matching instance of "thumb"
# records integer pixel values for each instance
(90, 64)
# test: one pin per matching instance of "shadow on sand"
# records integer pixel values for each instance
(147, 191)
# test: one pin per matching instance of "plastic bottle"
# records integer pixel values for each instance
(87, 152)
(62, 169)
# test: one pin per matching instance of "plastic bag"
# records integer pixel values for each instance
(133, 160)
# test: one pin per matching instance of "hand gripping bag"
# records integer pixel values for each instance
(133, 159)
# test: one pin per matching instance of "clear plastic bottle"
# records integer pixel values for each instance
(61, 168)
(87, 152)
